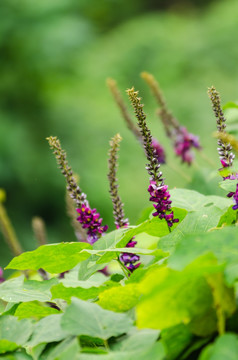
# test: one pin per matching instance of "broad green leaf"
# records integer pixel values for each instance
(193, 201)
(231, 274)
(154, 227)
(120, 298)
(20, 354)
(71, 280)
(16, 290)
(84, 318)
(110, 240)
(195, 222)
(222, 243)
(34, 309)
(137, 340)
(89, 267)
(65, 350)
(62, 292)
(197, 344)
(153, 352)
(228, 218)
(13, 332)
(47, 330)
(223, 298)
(106, 255)
(228, 185)
(175, 339)
(145, 215)
(171, 298)
(224, 348)
(55, 258)
(230, 105)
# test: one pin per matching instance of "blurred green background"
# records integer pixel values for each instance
(55, 57)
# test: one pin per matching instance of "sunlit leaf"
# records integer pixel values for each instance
(55, 258)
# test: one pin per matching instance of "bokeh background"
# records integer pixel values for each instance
(55, 57)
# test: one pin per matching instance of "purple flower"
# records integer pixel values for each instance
(235, 197)
(161, 196)
(159, 152)
(184, 141)
(129, 259)
(1, 275)
(90, 220)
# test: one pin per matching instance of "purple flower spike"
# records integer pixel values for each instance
(161, 196)
(1, 276)
(158, 151)
(129, 259)
(234, 195)
(184, 141)
(90, 220)
(157, 189)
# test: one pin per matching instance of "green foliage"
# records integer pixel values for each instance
(52, 258)
(181, 303)
(176, 305)
(54, 62)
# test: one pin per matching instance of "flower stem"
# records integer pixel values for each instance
(8, 232)
(124, 269)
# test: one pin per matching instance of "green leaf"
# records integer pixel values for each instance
(20, 354)
(193, 201)
(222, 243)
(224, 299)
(47, 330)
(224, 348)
(110, 240)
(195, 222)
(84, 318)
(228, 185)
(34, 309)
(55, 258)
(85, 293)
(106, 255)
(119, 299)
(230, 105)
(154, 227)
(175, 339)
(158, 309)
(228, 218)
(13, 332)
(145, 215)
(153, 352)
(137, 340)
(16, 290)
(65, 350)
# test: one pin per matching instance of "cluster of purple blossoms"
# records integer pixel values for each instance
(184, 141)
(234, 195)
(130, 259)
(161, 196)
(159, 152)
(90, 220)
(1, 276)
